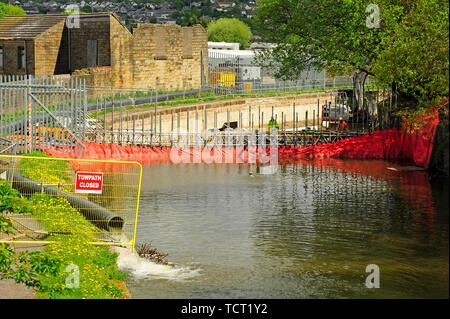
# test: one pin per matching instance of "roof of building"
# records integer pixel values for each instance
(27, 26)
(262, 46)
(30, 26)
(223, 45)
(230, 53)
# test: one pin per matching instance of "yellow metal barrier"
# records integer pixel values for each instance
(248, 86)
(68, 196)
(225, 79)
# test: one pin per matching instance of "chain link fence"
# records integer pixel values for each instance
(68, 196)
(42, 113)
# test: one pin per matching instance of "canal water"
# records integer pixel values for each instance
(308, 231)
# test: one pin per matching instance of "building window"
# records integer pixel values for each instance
(92, 54)
(1, 57)
(187, 43)
(21, 58)
(161, 43)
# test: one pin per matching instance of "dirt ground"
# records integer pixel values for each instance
(10, 290)
(8, 287)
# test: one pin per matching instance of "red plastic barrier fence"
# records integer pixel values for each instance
(407, 143)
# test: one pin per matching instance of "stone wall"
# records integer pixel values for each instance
(166, 57)
(97, 79)
(47, 50)
(91, 28)
(282, 105)
(10, 57)
(62, 65)
(60, 50)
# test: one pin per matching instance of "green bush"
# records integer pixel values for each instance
(9, 9)
(230, 30)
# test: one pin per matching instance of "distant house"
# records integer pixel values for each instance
(150, 55)
(30, 8)
(224, 4)
(262, 46)
(165, 14)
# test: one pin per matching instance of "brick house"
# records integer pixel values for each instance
(102, 50)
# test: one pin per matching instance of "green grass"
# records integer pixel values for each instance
(207, 97)
(174, 102)
(97, 265)
(108, 96)
(49, 171)
(6, 118)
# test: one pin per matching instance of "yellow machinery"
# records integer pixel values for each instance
(224, 79)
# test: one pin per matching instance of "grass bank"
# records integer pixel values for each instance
(210, 96)
(69, 252)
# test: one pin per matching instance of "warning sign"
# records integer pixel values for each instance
(89, 183)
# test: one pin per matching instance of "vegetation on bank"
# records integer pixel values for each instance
(46, 170)
(70, 235)
(399, 43)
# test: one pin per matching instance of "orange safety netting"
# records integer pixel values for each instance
(406, 143)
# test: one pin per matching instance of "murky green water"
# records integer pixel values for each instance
(307, 232)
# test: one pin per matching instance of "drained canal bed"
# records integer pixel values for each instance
(309, 231)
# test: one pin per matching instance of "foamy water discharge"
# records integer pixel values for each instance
(142, 268)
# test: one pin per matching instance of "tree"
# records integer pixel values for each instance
(204, 21)
(9, 9)
(72, 11)
(415, 53)
(339, 35)
(87, 9)
(324, 33)
(230, 30)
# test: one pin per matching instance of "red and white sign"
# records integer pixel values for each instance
(89, 183)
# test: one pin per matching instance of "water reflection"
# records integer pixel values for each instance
(307, 232)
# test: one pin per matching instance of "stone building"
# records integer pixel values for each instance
(105, 52)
